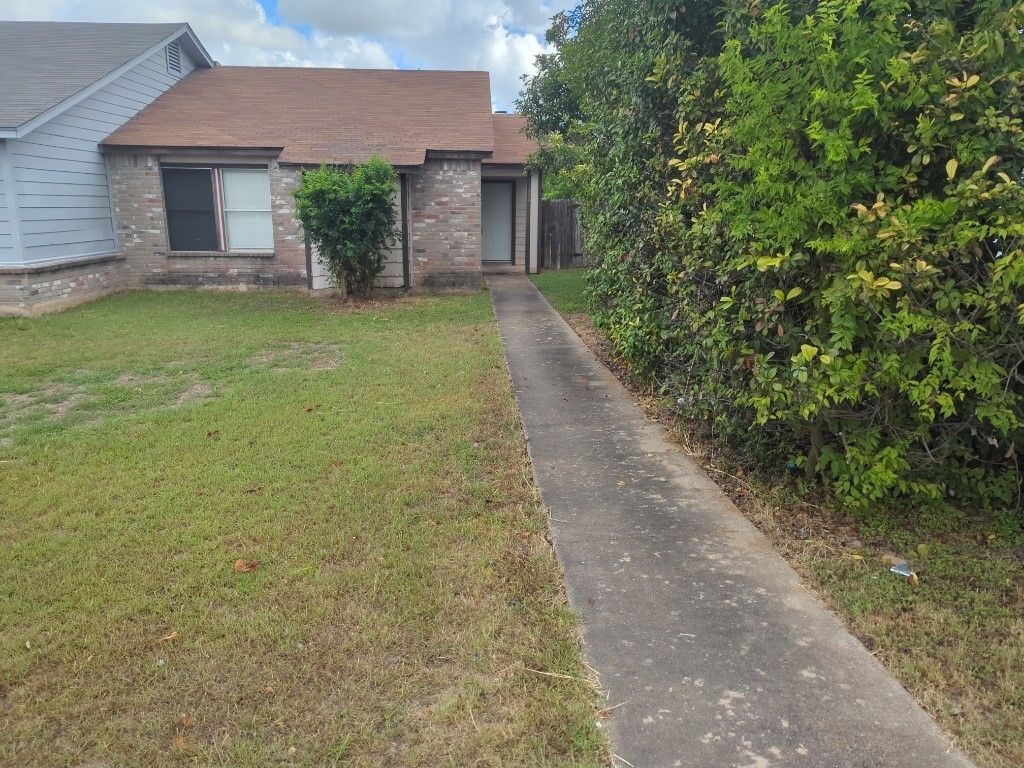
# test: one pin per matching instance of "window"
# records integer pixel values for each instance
(218, 209)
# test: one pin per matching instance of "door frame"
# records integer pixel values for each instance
(512, 184)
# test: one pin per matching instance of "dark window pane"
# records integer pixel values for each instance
(192, 230)
(191, 219)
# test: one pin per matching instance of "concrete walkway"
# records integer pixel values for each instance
(717, 655)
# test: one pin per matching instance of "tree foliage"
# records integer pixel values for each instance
(809, 218)
(349, 215)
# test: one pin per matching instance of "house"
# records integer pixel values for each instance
(63, 89)
(200, 182)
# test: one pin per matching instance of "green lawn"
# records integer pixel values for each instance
(956, 640)
(371, 460)
(563, 288)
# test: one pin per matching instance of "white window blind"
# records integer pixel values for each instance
(247, 221)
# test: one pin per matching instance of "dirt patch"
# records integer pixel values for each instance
(200, 391)
(58, 402)
(128, 380)
(53, 402)
(355, 305)
(307, 355)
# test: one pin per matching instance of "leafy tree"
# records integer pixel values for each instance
(809, 217)
(864, 194)
(349, 215)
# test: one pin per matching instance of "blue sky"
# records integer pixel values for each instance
(500, 36)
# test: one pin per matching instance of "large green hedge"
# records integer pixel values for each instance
(809, 220)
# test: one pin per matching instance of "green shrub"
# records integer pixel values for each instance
(349, 215)
(837, 261)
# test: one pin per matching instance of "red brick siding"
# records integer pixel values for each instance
(137, 190)
(34, 291)
(445, 239)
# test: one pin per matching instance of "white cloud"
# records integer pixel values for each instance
(501, 36)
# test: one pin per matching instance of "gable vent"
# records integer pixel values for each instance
(174, 58)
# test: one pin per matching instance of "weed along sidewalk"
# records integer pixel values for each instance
(711, 651)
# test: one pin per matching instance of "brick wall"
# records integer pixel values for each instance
(137, 191)
(34, 290)
(445, 239)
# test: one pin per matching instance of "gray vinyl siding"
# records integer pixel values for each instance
(7, 254)
(59, 173)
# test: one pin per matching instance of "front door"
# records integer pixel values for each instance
(497, 205)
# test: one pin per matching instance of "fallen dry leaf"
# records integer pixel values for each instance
(268, 689)
(214, 433)
(308, 410)
(187, 721)
(171, 637)
(241, 566)
(179, 742)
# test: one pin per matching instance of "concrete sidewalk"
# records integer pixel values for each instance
(717, 655)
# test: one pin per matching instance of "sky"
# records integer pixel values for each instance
(500, 36)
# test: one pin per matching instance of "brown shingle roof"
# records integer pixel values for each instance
(511, 144)
(319, 115)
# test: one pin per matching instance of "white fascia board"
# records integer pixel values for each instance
(198, 48)
(27, 128)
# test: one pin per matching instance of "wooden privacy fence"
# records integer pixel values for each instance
(562, 240)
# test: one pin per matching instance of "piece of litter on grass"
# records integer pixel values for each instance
(187, 721)
(902, 568)
(28, 646)
(160, 662)
(243, 566)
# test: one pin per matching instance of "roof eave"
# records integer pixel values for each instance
(459, 154)
(196, 48)
(166, 149)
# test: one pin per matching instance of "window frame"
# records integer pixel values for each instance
(219, 212)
